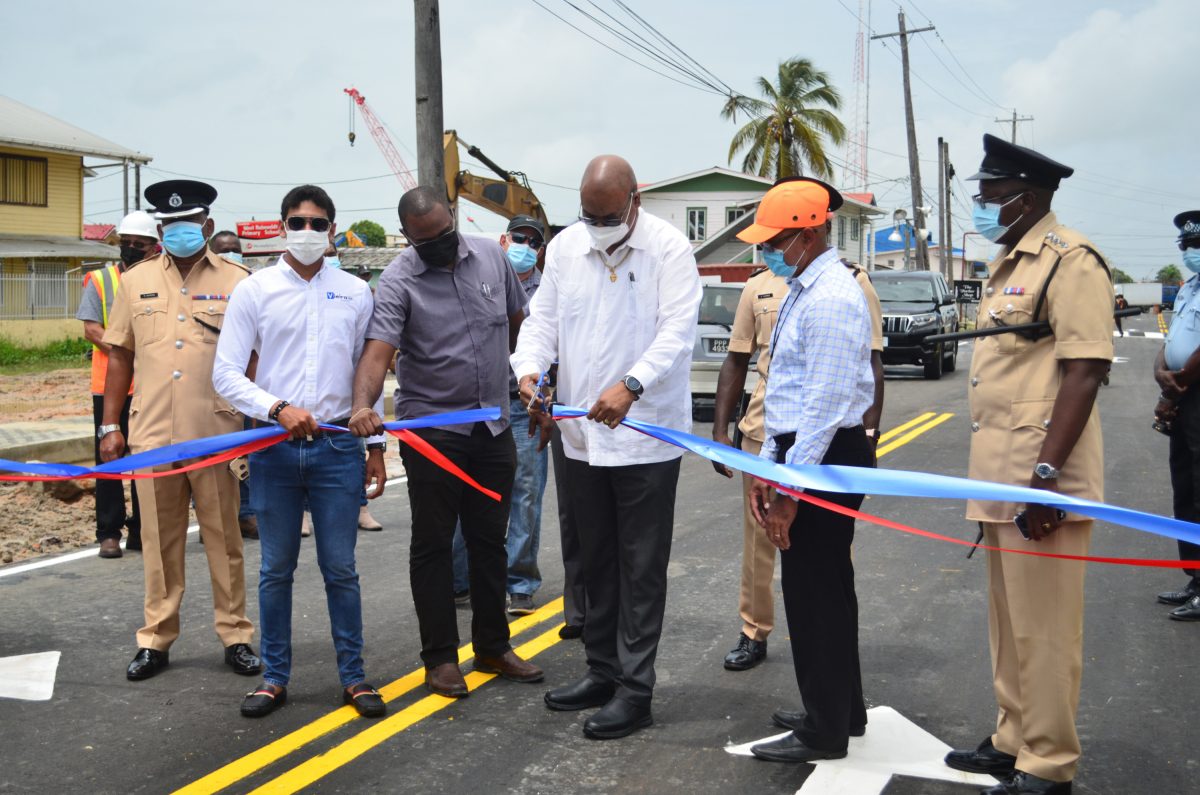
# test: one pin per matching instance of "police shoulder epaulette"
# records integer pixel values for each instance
(1064, 240)
(757, 271)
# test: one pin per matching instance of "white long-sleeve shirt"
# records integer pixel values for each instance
(308, 335)
(642, 324)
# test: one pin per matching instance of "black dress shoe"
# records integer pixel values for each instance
(146, 664)
(1023, 783)
(1180, 597)
(242, 659)
(571, 631)
(365, 700)
(985, 759)
(581, 695)
(263, 700)
(1190, 611)
(791, 748)
(746, 654)
(787, 719)
(619, 718)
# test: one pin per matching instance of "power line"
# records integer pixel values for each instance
(157, 170)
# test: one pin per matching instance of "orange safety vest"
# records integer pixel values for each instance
(105, 281)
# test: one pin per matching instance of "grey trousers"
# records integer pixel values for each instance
(574, 597)
(625, 516)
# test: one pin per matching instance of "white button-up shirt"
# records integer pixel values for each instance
(309, 336)
(642, 324)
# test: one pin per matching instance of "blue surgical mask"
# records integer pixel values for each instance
(986, 217)
(236, 256)
(1191, 259)
(522, 257)
(773, 257)
(333, 262)
(183, 238)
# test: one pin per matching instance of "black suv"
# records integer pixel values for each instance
(915, 305)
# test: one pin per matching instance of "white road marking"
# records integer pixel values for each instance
(893, 745)
(29, 677)
(90, 551)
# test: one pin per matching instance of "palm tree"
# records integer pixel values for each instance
(787, 130)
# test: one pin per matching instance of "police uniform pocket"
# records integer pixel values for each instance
(1012, 310)
(208, 320)
(149, 321)
(1030, 420)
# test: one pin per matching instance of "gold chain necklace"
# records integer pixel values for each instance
(612, 269)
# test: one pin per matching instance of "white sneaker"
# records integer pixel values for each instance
(366, 521)
(306, 526)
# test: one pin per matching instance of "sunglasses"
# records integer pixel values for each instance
(297, 223)
(520, 238)
(608, 220)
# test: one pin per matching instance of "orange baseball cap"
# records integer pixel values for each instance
(791, 203)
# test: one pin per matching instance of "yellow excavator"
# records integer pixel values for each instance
(508, 196)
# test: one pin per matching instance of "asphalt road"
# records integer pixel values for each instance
(923, 639)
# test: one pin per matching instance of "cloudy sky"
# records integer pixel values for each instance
(249, 95)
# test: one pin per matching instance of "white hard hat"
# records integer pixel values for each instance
(139, 222)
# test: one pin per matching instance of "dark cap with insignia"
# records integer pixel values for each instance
(1188, 224)
(527, 222)
(175, 198)
(1004, 160)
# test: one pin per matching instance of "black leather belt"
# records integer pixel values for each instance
(784, 441)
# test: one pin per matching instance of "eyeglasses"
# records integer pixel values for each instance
(980, 200)
(520, 238)
(298, 222)
(608, 220)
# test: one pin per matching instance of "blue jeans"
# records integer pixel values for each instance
(524, 517)
(327, 474)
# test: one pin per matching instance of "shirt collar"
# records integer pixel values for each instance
(291, 272)
(1031, 243)
(818, 266)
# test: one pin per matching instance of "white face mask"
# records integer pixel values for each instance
(605, 236)
(307, 246)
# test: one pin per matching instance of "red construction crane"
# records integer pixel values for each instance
(382, 139)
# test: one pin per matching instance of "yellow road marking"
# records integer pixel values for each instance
(899, 429)
(256, 760)
(312, 770)
(913, 434)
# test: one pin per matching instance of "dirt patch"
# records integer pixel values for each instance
(31, 397)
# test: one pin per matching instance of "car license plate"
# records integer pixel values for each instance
(718, 346)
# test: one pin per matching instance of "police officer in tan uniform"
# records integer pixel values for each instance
(164, 327)
(1034, 423)
(753, 323)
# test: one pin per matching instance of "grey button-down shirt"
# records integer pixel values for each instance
(451, 328)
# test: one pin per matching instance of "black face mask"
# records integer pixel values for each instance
(132, 254)
(439, 252)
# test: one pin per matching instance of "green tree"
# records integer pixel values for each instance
(370, 233)
(1169, 274)
(787, 129)
(1121, 277)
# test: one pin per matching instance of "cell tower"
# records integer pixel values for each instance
(854, 175)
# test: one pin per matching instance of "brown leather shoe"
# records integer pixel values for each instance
(446, 680)
(509, 666)
(111, 548)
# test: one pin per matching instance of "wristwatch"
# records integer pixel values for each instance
(105, 430)
(872, 433)
(377, 446)
(1046, 471)
(633, 385)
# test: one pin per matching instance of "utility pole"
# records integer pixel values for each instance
(914, 165)
(947, 216)
(1014, 121)
(428, 51)
(942, 198)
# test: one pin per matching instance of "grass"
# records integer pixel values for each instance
(16, 359)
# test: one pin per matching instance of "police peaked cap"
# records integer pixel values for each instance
(1004, 160)
(175, 198)
(1188, 224)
